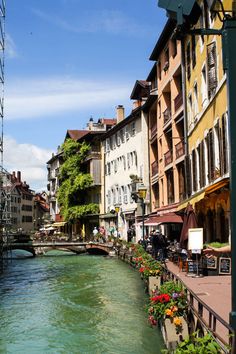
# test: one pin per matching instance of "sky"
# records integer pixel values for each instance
(67, 61)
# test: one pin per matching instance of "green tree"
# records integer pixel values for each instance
(74, 182)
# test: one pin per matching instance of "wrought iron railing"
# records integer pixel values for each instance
(205, 316)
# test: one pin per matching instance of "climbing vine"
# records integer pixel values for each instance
(74, 182)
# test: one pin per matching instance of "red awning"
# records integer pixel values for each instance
(169, 218)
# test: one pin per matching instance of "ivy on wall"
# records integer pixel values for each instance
(74, 182)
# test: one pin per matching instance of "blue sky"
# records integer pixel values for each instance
(68, 60)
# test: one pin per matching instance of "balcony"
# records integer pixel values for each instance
(51, 175)
(167, 115)
(153, 131)
(178, 101)
(179, 149)
(168, 158)
(154, 168)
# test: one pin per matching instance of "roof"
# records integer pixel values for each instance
(76, 134)
(165, 35)
(141, 89)
(152, 73)
(108, 121)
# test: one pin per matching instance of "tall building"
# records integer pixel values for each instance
(207, 128)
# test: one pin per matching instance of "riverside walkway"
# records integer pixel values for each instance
(213, 291)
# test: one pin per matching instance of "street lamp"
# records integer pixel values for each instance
(179, 10)
(142, 192)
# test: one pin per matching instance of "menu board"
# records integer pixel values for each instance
(194, 267)
(210, 262)
(224, 265)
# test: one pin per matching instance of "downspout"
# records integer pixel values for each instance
(188, 187)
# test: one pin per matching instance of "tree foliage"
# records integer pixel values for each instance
(74, 182)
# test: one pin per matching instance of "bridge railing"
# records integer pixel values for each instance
(205, 316)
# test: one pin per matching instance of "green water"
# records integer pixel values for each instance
(77, 304)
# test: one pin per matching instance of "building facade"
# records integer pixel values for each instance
(207, 128)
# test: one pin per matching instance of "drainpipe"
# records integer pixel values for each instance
(188, 188)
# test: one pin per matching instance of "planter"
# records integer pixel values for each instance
(153, 284)
(171, 338)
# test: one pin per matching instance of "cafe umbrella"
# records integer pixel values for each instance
(190, 222)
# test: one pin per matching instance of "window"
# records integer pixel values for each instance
(124, 162)
(193, 51)
(132, 129)
(190, 107)
(201, 153)
(167, 58)
(108, 168)
(127, 132)
(174, 47)
(122, 133)
(195, 105)
(115, 165)
(119, 196)
(204, 86)
(211, 69)
(109, 198)
(224, 145)
(118, 139)
(211, 156)
(125, 195)
(128, 160)
(108, 145)
(194, 170)
(159, 70)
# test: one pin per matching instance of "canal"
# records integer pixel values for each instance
(74, 304)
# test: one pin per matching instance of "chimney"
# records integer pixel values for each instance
(18, 176)
(13, 176)
(120, 113)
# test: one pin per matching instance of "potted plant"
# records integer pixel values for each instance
(168, 308)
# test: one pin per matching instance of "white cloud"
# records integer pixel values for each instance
(29, 159)
(41, 98)
(10, 47)
(106, 21)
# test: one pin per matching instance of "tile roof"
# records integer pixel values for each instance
(76, 134)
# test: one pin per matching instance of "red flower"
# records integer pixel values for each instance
(161, 298)
(142, 269)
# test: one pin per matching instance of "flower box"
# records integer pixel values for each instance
(170, 334)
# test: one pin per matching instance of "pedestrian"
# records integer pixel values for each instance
(95, 232)
(158, 245)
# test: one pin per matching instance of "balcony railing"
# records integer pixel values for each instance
(168, 158)
(179, 149)
(153, 130)
(154, 168)
(178, 101)
(167, 115)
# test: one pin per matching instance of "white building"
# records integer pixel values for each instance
(53, 166)
(125, 154)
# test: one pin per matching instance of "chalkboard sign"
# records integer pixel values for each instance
(210, 262)
(193, 268)
(224, 265)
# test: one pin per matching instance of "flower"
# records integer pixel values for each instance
(177, 321)
(169, 313)
(152, 320)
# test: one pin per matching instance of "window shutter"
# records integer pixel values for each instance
(212, 68)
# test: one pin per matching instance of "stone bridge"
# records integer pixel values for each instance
(40, 248)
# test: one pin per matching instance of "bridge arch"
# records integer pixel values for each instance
(92, 248)
(24, 248)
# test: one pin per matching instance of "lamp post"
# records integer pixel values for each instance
(142, 192)
(182, 12)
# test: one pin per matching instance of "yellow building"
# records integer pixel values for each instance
(207, 128)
